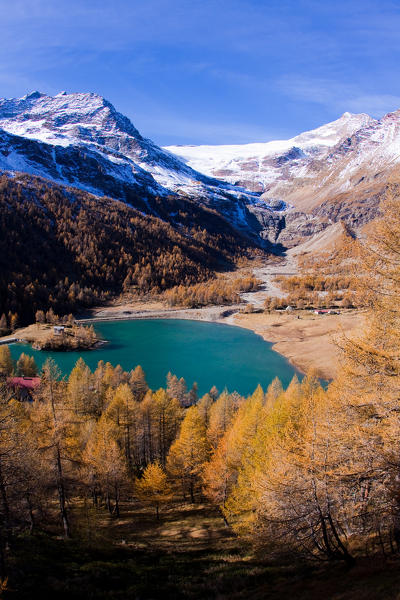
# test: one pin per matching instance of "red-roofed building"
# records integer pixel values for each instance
(24, 386)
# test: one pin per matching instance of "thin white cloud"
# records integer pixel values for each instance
(338, 96)
(375, 105)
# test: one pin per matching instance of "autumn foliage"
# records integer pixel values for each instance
(65, 249)
(218, 291)
(305, 472)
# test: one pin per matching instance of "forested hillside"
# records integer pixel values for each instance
(64, 249)
(302, 474)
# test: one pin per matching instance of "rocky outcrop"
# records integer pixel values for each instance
(290, 227)
(271, 223)
(354, 213)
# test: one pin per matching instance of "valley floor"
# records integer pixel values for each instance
(307, 340)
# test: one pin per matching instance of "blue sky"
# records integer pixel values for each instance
(209, 71)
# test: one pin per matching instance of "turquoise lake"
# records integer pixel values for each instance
(208, 353)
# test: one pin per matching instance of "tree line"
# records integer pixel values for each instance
(95, 435)
(218, 291)
(314, 472)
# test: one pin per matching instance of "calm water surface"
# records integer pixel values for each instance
(208, 353)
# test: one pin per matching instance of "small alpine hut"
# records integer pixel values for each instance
(58, 329)
(24, 386)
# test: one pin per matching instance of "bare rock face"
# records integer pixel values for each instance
(271, 223)
(338, 172)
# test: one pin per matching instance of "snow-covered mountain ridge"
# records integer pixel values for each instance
(81, 140)
(258, 165)
(339, 171)
(281, 191)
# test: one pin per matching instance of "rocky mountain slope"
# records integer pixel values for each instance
(280, 192)
(339, 171)
(66, 249)
(81, 140)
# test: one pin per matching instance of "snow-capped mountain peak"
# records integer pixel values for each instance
(255, 165)
(277, 189)
(338, 171)
(64, 118)
(332, 133)
(82, 140)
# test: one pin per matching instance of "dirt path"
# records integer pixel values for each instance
(267, 273)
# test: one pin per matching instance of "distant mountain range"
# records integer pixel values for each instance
(280, 191)
(336, 172)
(262, 166)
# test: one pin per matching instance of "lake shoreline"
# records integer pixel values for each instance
(305, 340)
(302, 338)
(207, 353)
